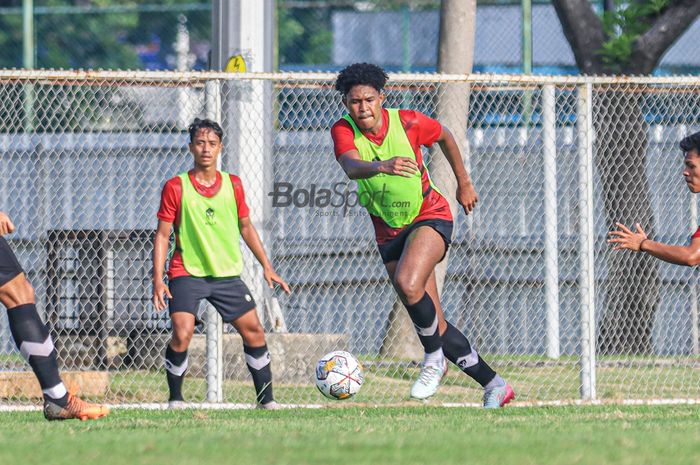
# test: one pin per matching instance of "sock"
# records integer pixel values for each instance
(175, 368)
(34, 343)
(461, 353)
(258, 361)
(435, 359)
(425, 320)
(497, 381)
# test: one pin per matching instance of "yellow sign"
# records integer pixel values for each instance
(236, 64)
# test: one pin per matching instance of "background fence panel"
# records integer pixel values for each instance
(84, 165)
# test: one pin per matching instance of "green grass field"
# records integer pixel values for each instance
(400, 435)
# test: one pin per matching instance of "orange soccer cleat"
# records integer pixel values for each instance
(76, 408)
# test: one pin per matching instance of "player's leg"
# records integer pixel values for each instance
(176, 354)
(424, 248)
(459, 351)
(235, 303)
(257, 357)
(187, 293)
(35, 344)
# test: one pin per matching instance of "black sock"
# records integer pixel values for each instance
(258, 361)
(425, 320)
(175, 368)
(458, 351)
(34, 342)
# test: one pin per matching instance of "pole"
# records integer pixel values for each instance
(28, 62)
(215, 326)
(551, 259)
(693, 285)
(527, 57)
(243, 32)
(586, 244)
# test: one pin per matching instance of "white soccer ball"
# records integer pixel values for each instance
(339, 375)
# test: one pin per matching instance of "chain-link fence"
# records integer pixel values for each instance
(530, 279)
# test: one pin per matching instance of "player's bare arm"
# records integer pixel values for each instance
(466, 194)
(356, 168)
(160, 251)
(252, 239)
(6, 226)
(624, 238)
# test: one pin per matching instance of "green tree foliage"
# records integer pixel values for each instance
(94, 34)
(623, 27)
(304, 35)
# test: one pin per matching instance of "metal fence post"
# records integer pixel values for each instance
(551, 256)
(694, 330)
(586, 244)
(215, 327)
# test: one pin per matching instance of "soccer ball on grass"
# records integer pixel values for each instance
(339, 375)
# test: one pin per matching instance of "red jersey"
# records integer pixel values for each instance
(171, 202)
(696, 234)
(420, 130)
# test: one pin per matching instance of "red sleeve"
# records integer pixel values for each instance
(697, 234)
(343, 137)
(421, 129)
(170, 200)
(243, 210)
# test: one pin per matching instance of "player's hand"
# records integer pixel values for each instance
(159, 291)
(467, 197)
(6, 226)
(272, 277)
(400, 166)
(625, 238)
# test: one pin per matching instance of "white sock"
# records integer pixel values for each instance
(497, 381)
(56, 392)
(434, 359)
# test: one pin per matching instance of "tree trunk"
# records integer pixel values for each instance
(455, 56)
(632, 284)
(456, 51)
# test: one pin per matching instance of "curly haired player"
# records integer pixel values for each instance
(381, 149)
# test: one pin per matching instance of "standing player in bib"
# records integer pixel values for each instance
(207, 209)
(381, 149)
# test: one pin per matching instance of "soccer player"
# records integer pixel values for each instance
(637, 241)
(381, 149)
(33, 339)
(208, 211)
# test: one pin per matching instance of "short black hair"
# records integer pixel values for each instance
(691, 142)
(360, 74)
(199, 124)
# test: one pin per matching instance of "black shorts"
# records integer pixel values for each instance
(229, 296)
(391, 251)
(9, 266)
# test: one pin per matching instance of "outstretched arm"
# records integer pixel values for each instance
(252, 239)
(637, 241)
(466, 194)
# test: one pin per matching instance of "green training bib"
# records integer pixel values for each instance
(208, 234)
(395, 199)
